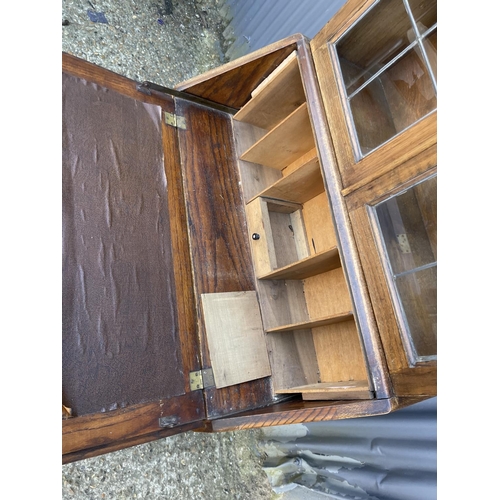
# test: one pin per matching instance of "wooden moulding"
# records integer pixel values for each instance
(327, 154)
(285, 143)
(291, 412)
(88, 435)
(276, 97)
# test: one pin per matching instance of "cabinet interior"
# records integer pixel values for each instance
(312, 339)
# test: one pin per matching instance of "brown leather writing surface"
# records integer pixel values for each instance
(120, 339)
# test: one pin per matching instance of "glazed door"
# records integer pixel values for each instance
(129, 328)
(376, 65)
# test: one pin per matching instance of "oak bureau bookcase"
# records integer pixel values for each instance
(257, 246)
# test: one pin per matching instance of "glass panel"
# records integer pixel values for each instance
(369, 44)
(418, 294)
(424, 13)
(408, 228)
(399, 97)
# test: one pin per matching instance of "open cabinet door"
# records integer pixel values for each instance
(376, 67)
(129, 325)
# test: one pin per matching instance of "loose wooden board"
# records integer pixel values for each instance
(238, 351)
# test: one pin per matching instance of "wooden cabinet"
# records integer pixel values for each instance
(253, 248)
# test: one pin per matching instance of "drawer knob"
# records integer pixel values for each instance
(255, 236)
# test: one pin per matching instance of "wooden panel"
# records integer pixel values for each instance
(337, 318)
(298, 412)
(96, 434)
(319, 223)
(326, 294)
(254, 177)
(100, 433)
(217, 231)
(305, 268)
(285, 143)
(420, 380)
(336, 395)
(299, 186)
(232, 84)
(406, 380)
(409, 143)
(282, 302)
(418, 167)
(379, 292)
(353, 270)
(276, 97)
(235, 337)
(78, 67)
(302, 161)
(284, 240)
(134, 441)
(293, 359)
(180, 249)
(339, 353)
(263, 249)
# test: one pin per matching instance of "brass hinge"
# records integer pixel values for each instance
(201, 379)
(175, 121)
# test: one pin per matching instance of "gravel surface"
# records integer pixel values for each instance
(187, 466)
(165, 42)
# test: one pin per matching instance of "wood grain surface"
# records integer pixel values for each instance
(220, 253)
(88, 436)
(232, 84)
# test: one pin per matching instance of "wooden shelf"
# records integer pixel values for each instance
(299, 186)
(353, 389)
(285, 143)
(278, 96)
(314, 323)
(305, 268)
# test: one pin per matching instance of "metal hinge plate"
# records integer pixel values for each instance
(201, 379)
(174, 121)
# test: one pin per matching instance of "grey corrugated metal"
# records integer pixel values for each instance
(257, 23)
(389, 457)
